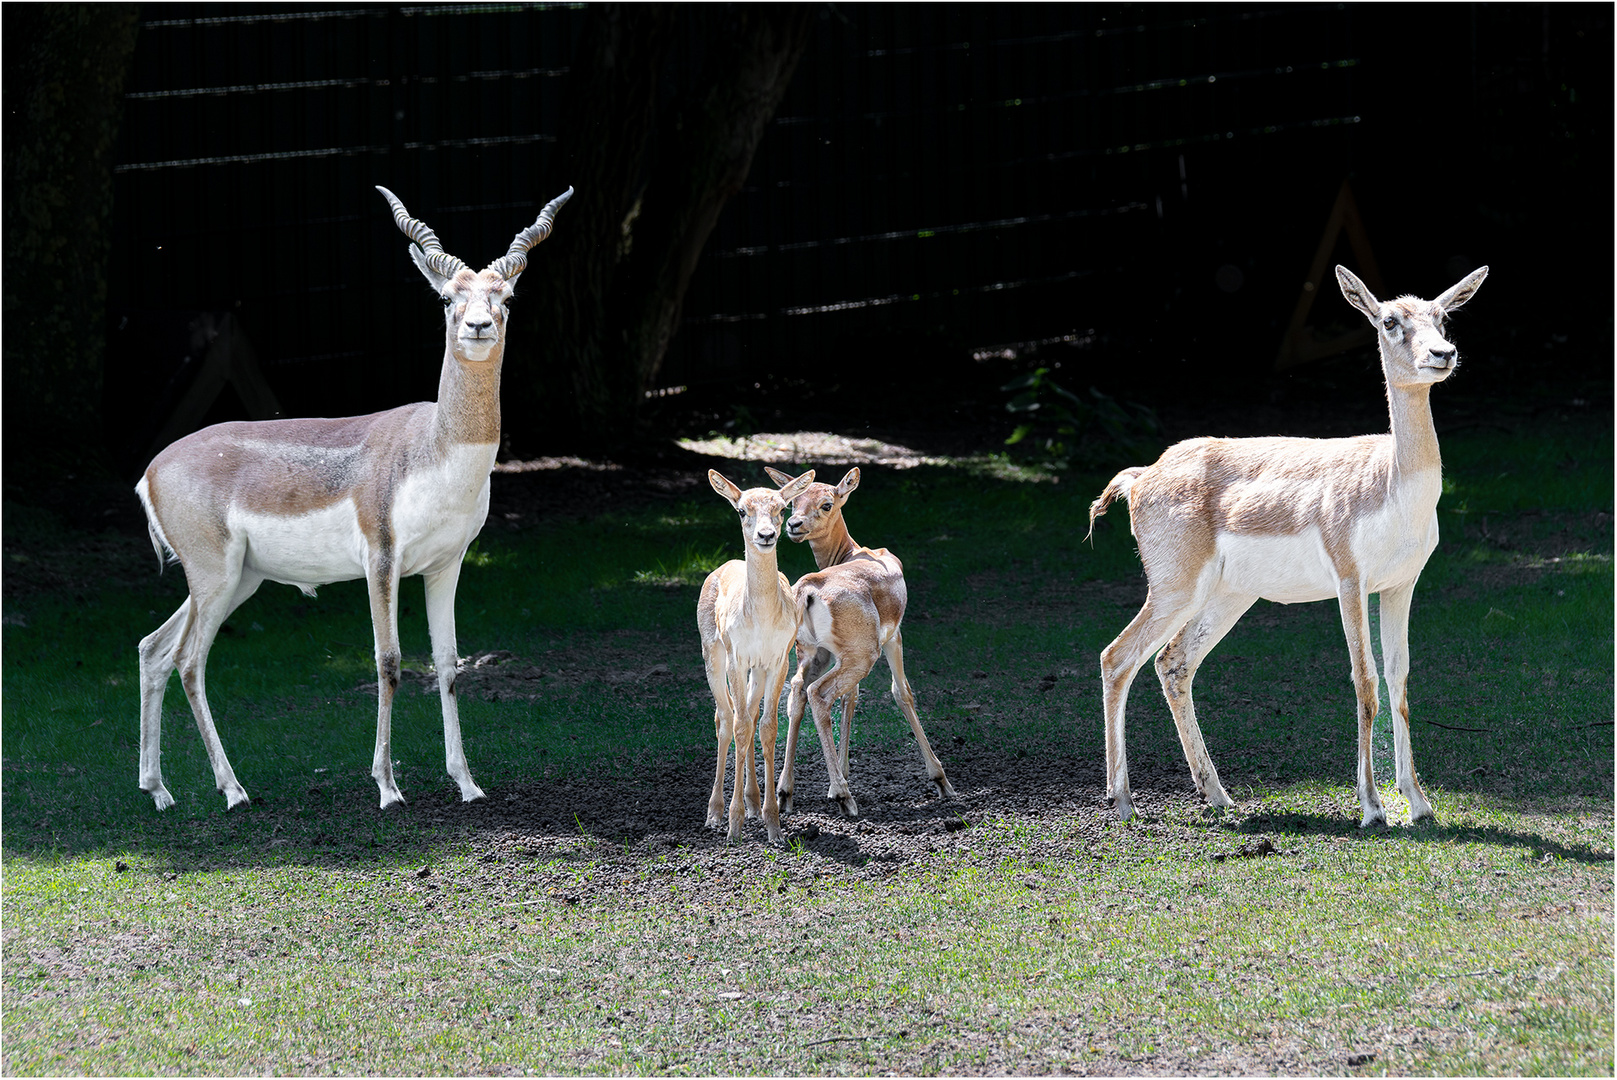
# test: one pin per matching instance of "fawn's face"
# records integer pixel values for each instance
(814, 513)
(817, 508)
(760, 509)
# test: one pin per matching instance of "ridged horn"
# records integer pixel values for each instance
(514, 261)
(437, 259)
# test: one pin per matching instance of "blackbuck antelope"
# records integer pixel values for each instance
(849, 612)
(1223, 522)
(748, 621)
(308, 502)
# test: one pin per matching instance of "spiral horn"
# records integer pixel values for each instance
(514, 261)
(437, 259)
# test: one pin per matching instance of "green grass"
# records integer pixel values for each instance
(295, 935)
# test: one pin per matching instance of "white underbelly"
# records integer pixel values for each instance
(1283, 569)
(1296, 569)
(311, 549)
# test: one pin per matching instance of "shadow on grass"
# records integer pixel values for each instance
(633, 818)
(1305, 824)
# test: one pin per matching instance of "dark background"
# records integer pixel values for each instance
(947, 196)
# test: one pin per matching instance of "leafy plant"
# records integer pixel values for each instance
(1055, 420)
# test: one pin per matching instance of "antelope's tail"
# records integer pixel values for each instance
(1117, 489)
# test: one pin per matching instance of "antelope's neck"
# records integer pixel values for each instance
(469, 399)
(763, 573)
(833, 546)
(1414, 438)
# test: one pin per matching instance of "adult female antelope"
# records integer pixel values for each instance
(1223, 522)
(308, 502)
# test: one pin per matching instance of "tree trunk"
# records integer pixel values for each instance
(652, 177)
(64, 79)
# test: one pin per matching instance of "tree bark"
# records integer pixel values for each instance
(64, 78)
(653, 170)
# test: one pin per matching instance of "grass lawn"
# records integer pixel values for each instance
(583, 920)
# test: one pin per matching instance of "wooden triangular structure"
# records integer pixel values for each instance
(1300, 345)
(229, 359)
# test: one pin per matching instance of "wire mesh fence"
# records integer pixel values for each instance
(973, 175)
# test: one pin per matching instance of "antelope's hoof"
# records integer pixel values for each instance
(471, 794)
(234, 797)
(161, 797)
(850, 808)
(1374, 819)
(785, 799)
(390, 798)
(944, 789)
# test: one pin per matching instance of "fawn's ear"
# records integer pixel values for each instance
(781, 479)
(724, 487)
(1358, 293)
(792, 488)
(848, 483)
(1462, 290)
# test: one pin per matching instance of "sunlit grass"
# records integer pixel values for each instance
(690, 567)
(1317, 951)
(242, 941)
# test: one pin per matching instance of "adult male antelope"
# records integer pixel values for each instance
(308, 502)
(848, 613)
(1223, 522)
(747, 621)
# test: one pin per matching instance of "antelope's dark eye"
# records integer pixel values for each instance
(1389, 322)
(826, 507)
(447, 301)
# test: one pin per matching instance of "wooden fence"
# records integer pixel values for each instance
(971, 175)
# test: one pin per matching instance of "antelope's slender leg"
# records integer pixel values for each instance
(440, 590)
(808, 670)
(768, 728)
(1176, 670)
(716, 664)
(213, 599)
(1140, 640)
(826, 690)
(746, 779)
(1394, 605)
(905, 698)
(382, 580)
(157, 660)
(1355, 606)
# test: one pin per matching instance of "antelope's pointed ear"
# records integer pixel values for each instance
(781, 479)
(1357, 293)
(793, 488)
(848, 483)
(724, 487)
(1462, 290)
(435, 279)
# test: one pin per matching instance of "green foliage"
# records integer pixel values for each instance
(1055, 421)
